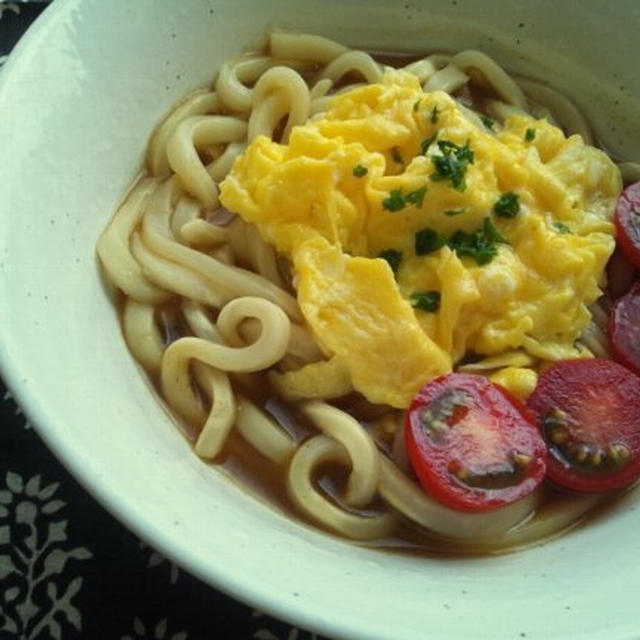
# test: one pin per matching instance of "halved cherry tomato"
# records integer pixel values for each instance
(627, 219)
(590, 415)
(472, 445)
(624, 329)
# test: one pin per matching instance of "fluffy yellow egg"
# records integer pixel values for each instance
(419, 236)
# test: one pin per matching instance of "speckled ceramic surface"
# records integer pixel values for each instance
(78, 101)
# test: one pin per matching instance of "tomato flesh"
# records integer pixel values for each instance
(589, 413)
(624, 329)
(472, 445)
(627, 220)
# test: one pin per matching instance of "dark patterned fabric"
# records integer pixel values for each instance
(68, 570)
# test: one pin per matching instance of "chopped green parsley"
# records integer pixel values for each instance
(416, 197)
(507, 205)
(561, 227)
(453, 212)
(427, 240)
(434, 114)
(359, 171)
(393, 257)
(530, 135)
(480, 245)
(487, 122)
(426, 143)
(426, 300)
(452, 163)
(397, 200)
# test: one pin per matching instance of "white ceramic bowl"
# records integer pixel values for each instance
(77, 103)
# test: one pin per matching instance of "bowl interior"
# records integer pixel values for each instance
(109, 71)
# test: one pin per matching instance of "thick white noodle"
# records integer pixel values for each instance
(407, 497)
(227, 281)
(182, 151)
(551, 519)
(115, 253)
(351, 62)
(263, 256)
(197, 104)
(263, 433)
(474, 62)
(203, 235)
(264, 352)
(365, 461)
(449, 79)
(595, 339)
(304, 47)
(311, 501)
(423, 69)
(280, 91)
(142, 334)
(199, 322)
(174, 277)
(187, 210)
(233, 74)
(222, 413)
(320, 89)
(220, 167)
(564, 110)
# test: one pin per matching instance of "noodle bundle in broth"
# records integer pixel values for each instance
(222, 311)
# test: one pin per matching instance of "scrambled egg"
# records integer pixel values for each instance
(493, 238)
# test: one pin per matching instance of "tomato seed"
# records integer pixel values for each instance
(521, 459)
(559, 435)
(579, 453)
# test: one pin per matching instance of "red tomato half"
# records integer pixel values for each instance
(590, 415)
(627, 218)
(472, 445)
(624, 329)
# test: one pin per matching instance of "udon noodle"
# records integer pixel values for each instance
(209, 308)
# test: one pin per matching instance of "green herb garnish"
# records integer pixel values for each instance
(426, 143)
(529, 135)
(453, 212)
(416, 197)
(434, 114)
(395, 201)
(393, 257)
(395, 155)
(507, 205)
(487, 122)
(427, 240)
(426, 300)
(480, 245)
(398, 200)
(452, 164)
(416, 106)
(359, 171)
(561, 227)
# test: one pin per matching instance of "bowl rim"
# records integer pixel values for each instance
(220, 576)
